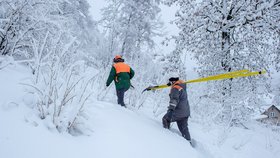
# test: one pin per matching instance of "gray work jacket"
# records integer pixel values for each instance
(179, 101)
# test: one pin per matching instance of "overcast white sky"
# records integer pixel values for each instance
(96, 5)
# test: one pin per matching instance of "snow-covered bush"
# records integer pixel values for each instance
(62, 94)
(52, 37)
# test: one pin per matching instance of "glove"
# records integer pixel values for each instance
(169, 84)
(107, 85)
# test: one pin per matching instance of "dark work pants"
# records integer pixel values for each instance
(182, 124)
(120, 95)
(183, 127)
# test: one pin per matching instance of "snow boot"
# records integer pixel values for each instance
(192, 143)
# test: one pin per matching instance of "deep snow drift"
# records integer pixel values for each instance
(117, 132)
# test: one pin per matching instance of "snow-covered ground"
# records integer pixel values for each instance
(117, 132)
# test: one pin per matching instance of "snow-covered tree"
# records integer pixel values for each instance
(225, 36)
(27, 27)
(131, 25)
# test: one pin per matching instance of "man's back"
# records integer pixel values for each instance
(180, 95)
(121, 73)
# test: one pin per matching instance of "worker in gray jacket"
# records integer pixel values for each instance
(178, 109)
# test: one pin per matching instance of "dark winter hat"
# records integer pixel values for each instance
(172, 79)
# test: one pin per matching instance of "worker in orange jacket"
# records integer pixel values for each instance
(121, 73)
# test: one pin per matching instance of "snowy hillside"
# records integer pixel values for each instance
(117, 132)
(64, 63)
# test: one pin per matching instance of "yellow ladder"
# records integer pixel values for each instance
(229, 75)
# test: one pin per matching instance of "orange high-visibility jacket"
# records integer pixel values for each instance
(121, 67)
